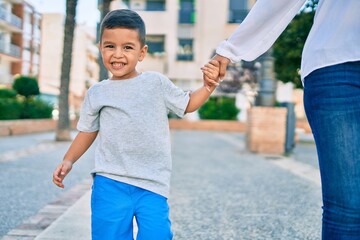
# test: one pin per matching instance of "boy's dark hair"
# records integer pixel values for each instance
(124, 18)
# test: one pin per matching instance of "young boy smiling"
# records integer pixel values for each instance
(128, 114)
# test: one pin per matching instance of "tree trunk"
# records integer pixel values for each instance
(63, 127)
(105, 8)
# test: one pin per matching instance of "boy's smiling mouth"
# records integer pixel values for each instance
(117, 65)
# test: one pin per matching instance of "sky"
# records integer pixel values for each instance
(87, 11)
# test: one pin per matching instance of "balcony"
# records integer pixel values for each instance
(11, 50)
(10, 21)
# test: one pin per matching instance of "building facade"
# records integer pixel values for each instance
(84, 68)
(20, 40)
(182, 34)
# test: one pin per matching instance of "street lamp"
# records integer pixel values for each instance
(267, 83)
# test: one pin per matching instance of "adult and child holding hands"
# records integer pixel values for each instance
(127, 113)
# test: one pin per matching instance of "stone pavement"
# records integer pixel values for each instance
(219, 191)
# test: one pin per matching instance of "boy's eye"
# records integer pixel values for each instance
(128, 47)
(109, 46)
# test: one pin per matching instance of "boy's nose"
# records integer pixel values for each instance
(118, 53)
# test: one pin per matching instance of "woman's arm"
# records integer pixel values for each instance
(259, 30)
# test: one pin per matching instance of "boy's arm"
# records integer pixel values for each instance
(200, 96)
(78, 147)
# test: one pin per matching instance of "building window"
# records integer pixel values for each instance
(27, 43)
(238, 9)
(26, 68)
(36, 47)
(35, 70)
(155, 43)
(3, 10)
(146, 5)
(185, 50)
(187, 11)
(155, 5)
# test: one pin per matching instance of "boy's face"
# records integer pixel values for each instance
(121, 50)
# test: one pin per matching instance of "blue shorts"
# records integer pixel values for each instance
(114, 205)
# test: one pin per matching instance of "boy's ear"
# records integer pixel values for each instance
(143, 53)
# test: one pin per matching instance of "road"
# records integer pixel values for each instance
(27, 163)
(219, 189)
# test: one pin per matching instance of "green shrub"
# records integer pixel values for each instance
(36, 108)
(219, 108)
(7, 93)
(10, 109)
(26, 86)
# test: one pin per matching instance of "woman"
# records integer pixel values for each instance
(330, 71)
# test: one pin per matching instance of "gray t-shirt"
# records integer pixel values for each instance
(134, 136)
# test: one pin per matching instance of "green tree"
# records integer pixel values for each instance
(27, 106)
(63, 127)
(26, 86)
(288, 47)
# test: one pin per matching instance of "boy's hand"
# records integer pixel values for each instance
(211, 74)
(61, 171)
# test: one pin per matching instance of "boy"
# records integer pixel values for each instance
(128, 113)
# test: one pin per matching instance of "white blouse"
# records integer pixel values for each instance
(334, 37)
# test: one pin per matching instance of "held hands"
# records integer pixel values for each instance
(223, 61)
(61, 171)
(211, 74)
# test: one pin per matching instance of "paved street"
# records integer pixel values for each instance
(219, 190)
(27, 163)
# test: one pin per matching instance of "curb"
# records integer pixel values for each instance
(36, 224)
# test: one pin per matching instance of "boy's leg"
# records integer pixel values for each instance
(152, 216)
(112, 210)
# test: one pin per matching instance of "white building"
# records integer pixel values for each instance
(19, 40)
(182, 34)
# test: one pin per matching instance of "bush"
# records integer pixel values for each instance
(7, 93)
(26, 86)
(36, 109)
(10, 109)
(219, 108)
(27, 106)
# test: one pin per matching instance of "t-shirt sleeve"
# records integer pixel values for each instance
(89, 117)
(175, 98)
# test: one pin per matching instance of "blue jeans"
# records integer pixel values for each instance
(114, 205)
(332, 105)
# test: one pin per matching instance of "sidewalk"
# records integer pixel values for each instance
(72, 224)
(276, 197)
